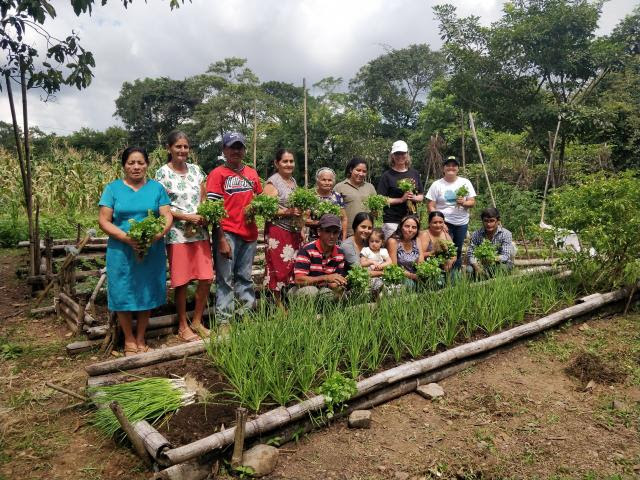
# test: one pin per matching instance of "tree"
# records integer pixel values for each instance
(65, 62)
(107, 143)
(152, 107)
(395, 84)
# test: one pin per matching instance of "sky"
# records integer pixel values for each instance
(282, 40)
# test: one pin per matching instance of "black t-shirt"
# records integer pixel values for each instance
(388, 186)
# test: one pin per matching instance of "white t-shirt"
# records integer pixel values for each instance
(444, 194)
(380, 256)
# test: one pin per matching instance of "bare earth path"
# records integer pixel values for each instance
(518, 415)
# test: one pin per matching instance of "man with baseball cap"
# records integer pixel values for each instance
(236, 184)
(319, 266)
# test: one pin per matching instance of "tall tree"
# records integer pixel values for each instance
(395, 84)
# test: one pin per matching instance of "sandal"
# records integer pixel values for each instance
(201, 330)
(130, 351)
(185, 336)
(145, 349)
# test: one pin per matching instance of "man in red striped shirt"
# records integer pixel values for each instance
(319, 266)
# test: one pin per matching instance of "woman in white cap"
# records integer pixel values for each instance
(399, 200)
(453, 196)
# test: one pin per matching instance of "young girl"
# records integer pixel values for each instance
(374, 256)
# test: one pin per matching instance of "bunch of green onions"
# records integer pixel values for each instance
(147, 399)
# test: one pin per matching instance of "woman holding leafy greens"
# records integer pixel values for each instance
(281, 235)
(325, 181)
(401, 185)
(136, 276)
(405, 248)
(435, 240)
(188, 244)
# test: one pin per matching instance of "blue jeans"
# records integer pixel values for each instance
(458, 234)
(233, 276)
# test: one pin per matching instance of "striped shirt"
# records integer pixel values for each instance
(501, 239)
(311, 261)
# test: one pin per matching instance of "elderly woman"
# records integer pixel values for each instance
(355, 190)
(281, 235)
(405, 248)
(325, 181)
(188, 244)
(135, 286)
(433, 237)
(400, 169)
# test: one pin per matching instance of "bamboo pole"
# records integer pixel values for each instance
(281, 416)
(464, 160)
(255, 134)
(154, 442)
(306, 139)
(238, 441)
(66, 391)
(484, 168)
(546, 183)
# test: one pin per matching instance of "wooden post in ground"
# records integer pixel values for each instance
(524, 242)
(546, 183)
(238, 443)
(306, 140)
(484, 168)
(135, 440)
(255, 134)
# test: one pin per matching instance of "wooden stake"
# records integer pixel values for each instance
(255, 134)
(306, 140)
(484, 168)
(546, 183)
(135, 440)
(524, 242)
(464, 161)
(238, 442)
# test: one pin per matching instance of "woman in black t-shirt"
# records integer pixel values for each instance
(398, 204)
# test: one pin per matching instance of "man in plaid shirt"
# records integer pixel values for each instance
(493, 231)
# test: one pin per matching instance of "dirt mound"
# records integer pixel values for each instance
(587, 366)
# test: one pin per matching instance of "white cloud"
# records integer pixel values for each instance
(282, 40)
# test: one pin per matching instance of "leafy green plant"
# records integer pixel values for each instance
(463, 191)
(264, 206)
(9, 351)
(429, 271)
(303, 198)
(337, 389)
(212, 210)
(376, 203)
(393, 275)
(147, 399)
(324, 207)
(406, 184)
(144, 231)
(445, 249)
(358, 281)
(486, 253)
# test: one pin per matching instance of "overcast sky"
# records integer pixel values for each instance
(281, 39)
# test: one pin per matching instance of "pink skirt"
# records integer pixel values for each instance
(189, 261)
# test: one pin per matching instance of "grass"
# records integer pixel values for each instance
(291, 353)
(552, 346)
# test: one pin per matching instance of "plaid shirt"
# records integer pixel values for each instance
(311, 261)
(502, 239)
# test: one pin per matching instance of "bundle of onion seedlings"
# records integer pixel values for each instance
(147, 399)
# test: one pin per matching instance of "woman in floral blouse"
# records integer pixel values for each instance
(281, 236)
(188, 245)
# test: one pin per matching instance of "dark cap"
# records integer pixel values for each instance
(451, 158)
(328, 220)
(230, 138)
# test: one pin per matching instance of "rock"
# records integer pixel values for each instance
(401, 476)
(590, 386)
(381, 468)
(430, 391)
(584, 327)
(261, 459)
(360, 419)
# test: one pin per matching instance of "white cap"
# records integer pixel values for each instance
(399, 146)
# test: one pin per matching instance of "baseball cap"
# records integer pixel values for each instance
(399, 146)
(451, 158)
(329, 220)
(230, 138)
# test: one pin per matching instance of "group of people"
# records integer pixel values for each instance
(303, 255)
